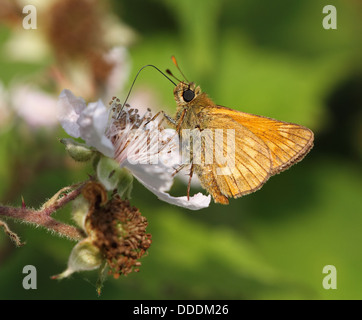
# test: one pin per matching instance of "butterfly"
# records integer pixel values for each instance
(260, 146)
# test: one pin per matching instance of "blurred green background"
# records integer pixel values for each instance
(271, 58)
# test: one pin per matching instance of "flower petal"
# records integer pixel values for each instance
(69, 109)
(156, 176)
(158, 179)
(93, 122)
(196, 202)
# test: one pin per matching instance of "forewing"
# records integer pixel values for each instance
(288, 142)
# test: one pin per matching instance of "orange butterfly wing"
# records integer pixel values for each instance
(263, 147)
(288, 142)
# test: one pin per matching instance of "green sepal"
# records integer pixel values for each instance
(112, 176)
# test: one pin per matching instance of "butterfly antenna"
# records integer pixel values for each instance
(178, 68)
(135, 78)
(168, 71)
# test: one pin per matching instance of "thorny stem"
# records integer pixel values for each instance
(42, 217)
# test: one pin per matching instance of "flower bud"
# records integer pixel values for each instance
(78, 151)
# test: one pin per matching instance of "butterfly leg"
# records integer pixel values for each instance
(169, 119)
(189, 185)
(182, 116)
(179, 168)
(165, 116)
(172, 121)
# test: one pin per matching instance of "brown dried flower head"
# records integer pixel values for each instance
(117, 229)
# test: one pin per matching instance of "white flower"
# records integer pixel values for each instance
(36, 107)
(136, 142)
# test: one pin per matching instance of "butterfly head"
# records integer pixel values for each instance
(186, 93)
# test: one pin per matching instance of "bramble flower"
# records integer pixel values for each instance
(80, 45)
(84, 41)
(136, 143)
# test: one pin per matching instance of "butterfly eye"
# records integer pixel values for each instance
(188, 95)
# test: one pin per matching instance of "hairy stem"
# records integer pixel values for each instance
(42, 217)
(54, 203)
